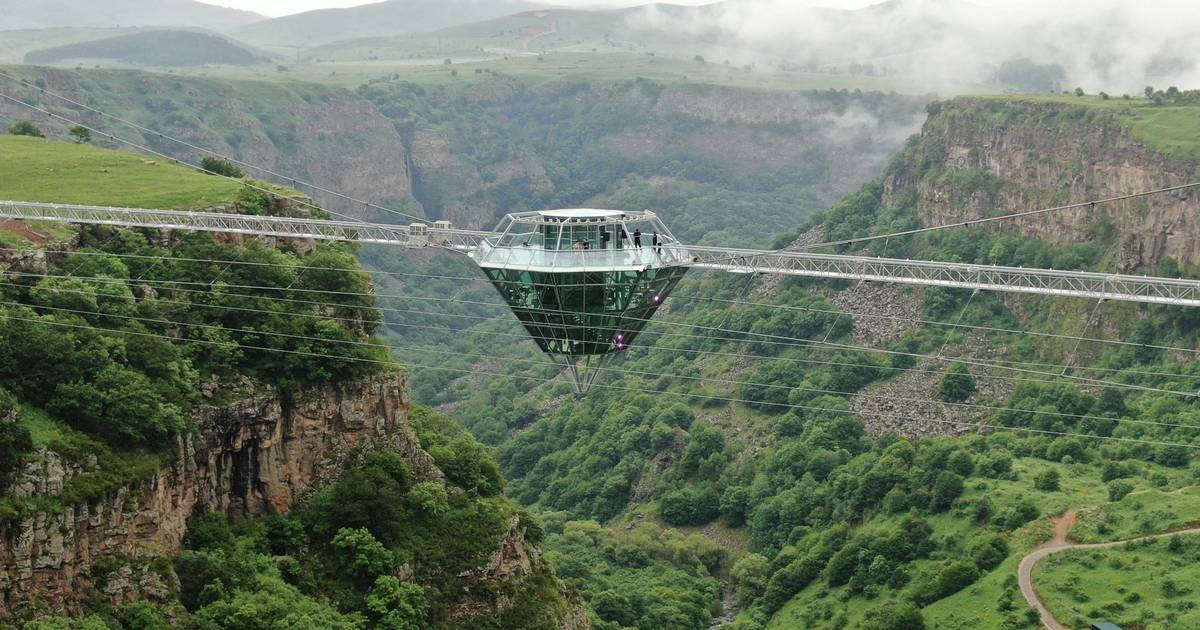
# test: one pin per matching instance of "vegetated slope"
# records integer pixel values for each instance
(391, 17)
(19, 14)
(828, 475)
(153, 48)
(311, 132)
(137, 387)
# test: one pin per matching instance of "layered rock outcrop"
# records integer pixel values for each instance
(258, 455)
(985, 157)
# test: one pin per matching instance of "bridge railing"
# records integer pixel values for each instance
(1101, 286)
(283, 227)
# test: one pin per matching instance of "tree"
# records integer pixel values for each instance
(957, 384)
(1047, 480)
(1079, 91)
(1149, 91)
(25, 128)
(15, 441)
(947, 488)
(81, 134)
(219, 166)
(397, 605)
(363, 556)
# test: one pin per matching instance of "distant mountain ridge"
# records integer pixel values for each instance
(392, 17)
(25, 14)
(169, 48)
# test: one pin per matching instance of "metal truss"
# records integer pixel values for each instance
(1095, 286)
(283, 227)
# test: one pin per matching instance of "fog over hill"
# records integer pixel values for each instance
(1103, 45)
(23, 14)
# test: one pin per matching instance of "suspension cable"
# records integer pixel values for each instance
(693, 298)
(393, 346)
(775, 340)
(976, 425)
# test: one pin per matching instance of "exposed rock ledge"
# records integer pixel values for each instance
(256, 456)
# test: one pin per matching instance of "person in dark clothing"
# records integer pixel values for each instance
(604, 236)
(657, 244)
(637, 238)
(587, 245)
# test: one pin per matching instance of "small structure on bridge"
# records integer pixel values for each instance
(583, 282)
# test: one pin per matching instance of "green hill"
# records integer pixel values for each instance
(34, 169)
(166, 48)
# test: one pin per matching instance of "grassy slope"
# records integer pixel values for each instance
(1174, 131)
(1129, 585)
(33, 169)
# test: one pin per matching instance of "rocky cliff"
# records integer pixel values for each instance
(255, 456)
(984, 157)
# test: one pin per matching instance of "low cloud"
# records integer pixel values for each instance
(1111, 45)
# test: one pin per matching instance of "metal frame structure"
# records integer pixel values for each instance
(481, 244)
(417, 235)
(1082, 284)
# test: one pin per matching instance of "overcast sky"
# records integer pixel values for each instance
(283, 7)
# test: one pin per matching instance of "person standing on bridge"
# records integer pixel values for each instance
(637, 238)
(656, 243)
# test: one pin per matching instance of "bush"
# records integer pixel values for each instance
(1047, 480)
(954, 577)
(1119, 489)
(219, 166)
(690, 506)
(957, 384)
(894, 615)
(15, 441)
(25, 128)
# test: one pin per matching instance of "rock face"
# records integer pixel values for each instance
(984, 157)
(255, 456)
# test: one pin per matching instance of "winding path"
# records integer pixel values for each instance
(1063, 525)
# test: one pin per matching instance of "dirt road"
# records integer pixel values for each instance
(1058, 543)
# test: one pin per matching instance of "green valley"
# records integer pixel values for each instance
(213, 430)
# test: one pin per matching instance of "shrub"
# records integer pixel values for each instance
(1119, 489)
(690, 506)
(81, 134)
(25, 128)
(1047, 480)
(219, 166)
(957, 384)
